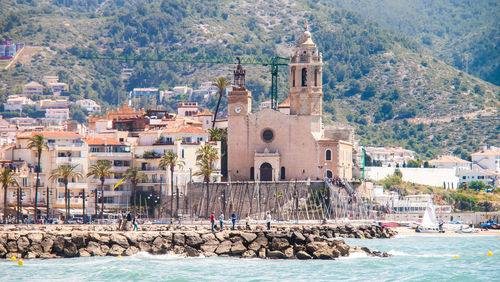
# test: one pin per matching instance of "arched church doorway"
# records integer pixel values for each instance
(266, 172)
(329, 174)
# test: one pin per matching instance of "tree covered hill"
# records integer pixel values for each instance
(463, 33)
(385, 84)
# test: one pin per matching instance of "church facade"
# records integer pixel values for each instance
(292, 142)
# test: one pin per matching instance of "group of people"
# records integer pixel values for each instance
(233, 220)
(128, 221)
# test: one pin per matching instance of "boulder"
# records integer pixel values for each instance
(70, 249)
(22, 244)
(342, 247)
(221, 236)
(30, 255)
(209, 248)
(159, 246)
(262, 253)
(13, 236)
(104, 239)
(83, 252)
(311, 248)
(58, 245)
(12, 247)
(47, 244)
(94, 248)
(193, 239)
(179, 239)
(238, 248)
(248, 237)
(47, 255)
(132, 238)
(303, 255)
(249, 254)
(298, 238)
(144, 247)
(191, 252)
(35, 237)
(3, 250)
(36, 249)
(275, 254)
(326, 253)
(130, 251)
(119, 239)
(104, 249)
(223, 248)
(79, 238)
(116, 250)
(261, 241)
(289, 252)
(279, 244)
(94, 237)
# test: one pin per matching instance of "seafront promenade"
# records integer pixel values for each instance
(281, 242)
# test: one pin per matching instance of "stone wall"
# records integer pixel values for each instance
(300, 242)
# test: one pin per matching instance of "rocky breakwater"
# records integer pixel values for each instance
(313, 242)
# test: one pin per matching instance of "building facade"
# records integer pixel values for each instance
(270, 145)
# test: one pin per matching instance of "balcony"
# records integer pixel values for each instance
(151, 168)
(165, 143)
(152, 181)
(73, 185)
(70, 160)
(122, 155)
(119, 168)
(117, 194)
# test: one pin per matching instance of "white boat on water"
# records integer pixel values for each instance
(429, 221)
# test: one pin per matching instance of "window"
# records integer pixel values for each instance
(304, 77)
(328, 155)
(252, 173)
(316, 77)
(182, 153)
(283, 173)
(268, 135)
(293, 76)
(329, 174)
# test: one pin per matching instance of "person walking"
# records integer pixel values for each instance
(120, 220)
(136, 227)
(212, 220)
(233, 219)
(247, 222)
(268, 220)
(221, 221)
(128, 222)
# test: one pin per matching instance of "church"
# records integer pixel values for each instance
(290, 143)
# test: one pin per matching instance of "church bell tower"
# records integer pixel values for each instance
(305, 78)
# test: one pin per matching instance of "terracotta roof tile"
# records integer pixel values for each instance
(50, 134)
(103, 141)
(285, 104)
(449, 159)
(184, 129)
(490, 152)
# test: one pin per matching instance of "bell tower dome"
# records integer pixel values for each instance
(306, 77)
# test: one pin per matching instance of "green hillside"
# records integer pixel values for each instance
(385, 84)
(464, 34)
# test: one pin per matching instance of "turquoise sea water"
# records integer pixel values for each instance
(414, 258)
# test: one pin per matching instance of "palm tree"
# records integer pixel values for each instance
(220, 134)
(37, 142)
(221, 83)
(206, 156)
(170, 159)
(101, 171)
(134, 176)
(65, 172)
(6, 178)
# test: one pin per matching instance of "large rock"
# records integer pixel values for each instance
(303, 255)
(249, 254)
(248, 237)
(159, 246)
(36, 249)
(209, 239)
(191, 252)
(298, 238)
(116, 250)
(289, 252)
(130, 251)
(144, 247)
(58, 245)
(326, 253)
(12, 247)
(83, 252)
(209, 248)
(261, 241)
(223, 248)
(275, 254)
(94, 248)
(70, 249)
(3, 250)
(104, 249)
(279, 244)
(47, 244)
(94, 237)
(22, 244)
(119, 239)
(79, 238)
(238, 248)
(35, 237)
(311, 248)
(221, 236)
(179, 239)
(193, 239)
(342, 247)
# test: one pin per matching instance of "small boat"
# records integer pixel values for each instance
(429, 222)
(467, 230)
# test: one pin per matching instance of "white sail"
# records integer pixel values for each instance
(429, 220)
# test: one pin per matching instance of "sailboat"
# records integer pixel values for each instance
(429, 221)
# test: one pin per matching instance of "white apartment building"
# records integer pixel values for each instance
(89, 105)
(488, 159)
(15, 103)
(56, 115)
(451, 162)
(390, 156)
(33, 88)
